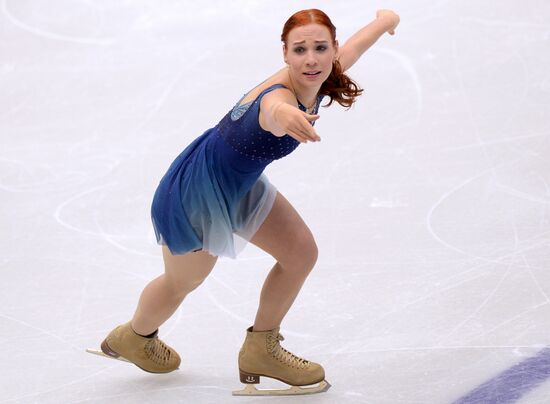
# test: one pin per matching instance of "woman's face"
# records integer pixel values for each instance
(309, 53)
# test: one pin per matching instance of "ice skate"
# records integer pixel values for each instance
(149, 354)
(262, 355)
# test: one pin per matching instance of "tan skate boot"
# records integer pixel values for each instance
(262, 355)
(150, 354)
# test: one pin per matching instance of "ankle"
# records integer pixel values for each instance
(152, 335)
(261, 327)
(144, 332)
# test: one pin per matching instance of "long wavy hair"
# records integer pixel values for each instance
(338, 86)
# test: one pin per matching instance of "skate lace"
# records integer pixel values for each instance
(157, 351)
(284, 356)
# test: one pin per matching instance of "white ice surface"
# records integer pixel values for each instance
(429, 200)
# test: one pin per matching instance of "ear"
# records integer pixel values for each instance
(337, 48)
(285, 50)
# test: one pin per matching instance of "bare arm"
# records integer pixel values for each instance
(280, 115)
(358, 43)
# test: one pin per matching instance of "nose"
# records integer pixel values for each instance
(311, 59)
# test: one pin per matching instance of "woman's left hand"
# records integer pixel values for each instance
(390, 18)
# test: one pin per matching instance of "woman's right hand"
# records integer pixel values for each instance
(295, 122)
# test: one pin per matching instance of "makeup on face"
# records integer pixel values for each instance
(310, 53)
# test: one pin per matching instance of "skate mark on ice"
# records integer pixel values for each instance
(65, 341)
(497, 142)
(27, 171)
(529, 269)
(507, 321)
(448, 194)
(483, 304)
(245, 321)
(109, 238)
(409, 67)
(523, 195)
(62, 386)
(111, 398)
(513, 383)
(64, 204)
(51, 35)
(439, 348)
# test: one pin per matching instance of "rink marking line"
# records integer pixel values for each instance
(513, 383)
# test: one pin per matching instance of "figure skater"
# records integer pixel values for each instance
(214, 198)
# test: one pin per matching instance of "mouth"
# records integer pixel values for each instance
(313, 73)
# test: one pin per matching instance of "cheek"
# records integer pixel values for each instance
(328, 57)
(327, 61)
(295, 62)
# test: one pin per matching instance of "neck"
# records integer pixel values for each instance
(306, 96)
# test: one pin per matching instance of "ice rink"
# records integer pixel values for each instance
(429, 200)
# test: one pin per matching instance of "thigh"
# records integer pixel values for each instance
(285, 236)
(187, 271)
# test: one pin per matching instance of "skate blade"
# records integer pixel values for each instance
(100, 353)
(251, 390)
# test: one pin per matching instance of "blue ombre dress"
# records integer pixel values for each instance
(214, 196)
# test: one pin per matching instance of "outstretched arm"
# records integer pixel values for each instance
(351, 51)
(279, 114)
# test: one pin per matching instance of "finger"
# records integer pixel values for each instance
(311, 117)
(303, 136)
(392, 32)
(296, 135)
(305, 130)
(305, 127)
(302, 133)
(309, 132)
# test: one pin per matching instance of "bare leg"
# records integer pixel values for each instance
(163, 295)
(287, 238)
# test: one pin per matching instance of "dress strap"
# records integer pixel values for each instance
(266, 91)
(271, 88)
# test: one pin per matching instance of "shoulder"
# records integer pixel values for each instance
(277, 83)
(278, 92)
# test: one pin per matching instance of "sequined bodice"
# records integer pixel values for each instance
(241, 129)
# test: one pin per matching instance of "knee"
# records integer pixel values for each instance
(311, 254)
(303, 254)
(183, 274)
(178, 289)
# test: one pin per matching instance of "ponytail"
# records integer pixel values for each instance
(340, 87)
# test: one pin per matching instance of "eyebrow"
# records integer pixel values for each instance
(301, 42)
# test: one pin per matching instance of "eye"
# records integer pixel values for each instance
(299, 49)
(322, 48)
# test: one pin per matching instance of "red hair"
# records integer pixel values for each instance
(338, 86)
